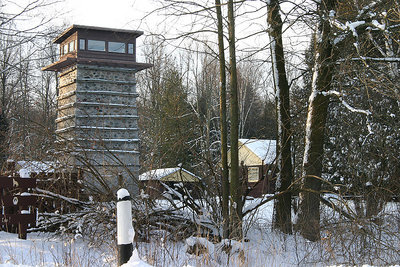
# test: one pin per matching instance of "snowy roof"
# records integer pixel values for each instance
(158, 174)
(262, 148)
(37, 166)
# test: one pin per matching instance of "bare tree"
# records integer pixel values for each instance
(282, 208)
(223, 122)
(236, 184)
(309, 214)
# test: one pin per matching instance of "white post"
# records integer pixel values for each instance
(125, 230)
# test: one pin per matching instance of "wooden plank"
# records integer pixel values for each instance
(11, 201)
(9, 219)
(17, 182)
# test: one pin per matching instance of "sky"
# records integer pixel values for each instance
(131, 14)
(105, 13)
(251, 24)
(121, 14)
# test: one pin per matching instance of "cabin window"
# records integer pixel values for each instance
(116, 47)
(82, 45)
(253, 174)
(71, 46)
(96, 45)
(65, 49)
(130, 49)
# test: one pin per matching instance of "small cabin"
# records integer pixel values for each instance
(257, 162)
(154, 182)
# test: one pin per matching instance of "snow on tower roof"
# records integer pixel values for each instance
(262, 148)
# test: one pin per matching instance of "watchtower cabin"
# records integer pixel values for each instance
(97, 121)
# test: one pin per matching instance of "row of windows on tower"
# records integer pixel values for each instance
(98, 45)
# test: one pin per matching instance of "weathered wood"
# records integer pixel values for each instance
(21, 201)
(8, 219)
(17, 182)
(17, 208)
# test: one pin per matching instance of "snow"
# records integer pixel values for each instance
(107, 116)
(105, 81)
(192, 241)
(106, 128)
(310, 114)
(378, 25)
(96, 128)
(108, 93)
(66, 95)
(262, 247)
(344, 102)
(69, 105)
(42, 249)
(383, 59)
(28, 167)
(135, 261)
(108, 151)
(24, 173)
(158, 174)
(263, 148)
(353, 25)
(105, 139)
(122, 193)
(106, 104)
(125, 231)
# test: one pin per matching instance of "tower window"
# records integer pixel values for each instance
(82, 45)
(116, 47)
(130, 49)
(96, 45)
(71, 46)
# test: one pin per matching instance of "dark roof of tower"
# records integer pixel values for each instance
(68, 32)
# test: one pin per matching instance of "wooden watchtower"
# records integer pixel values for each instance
(97, 122)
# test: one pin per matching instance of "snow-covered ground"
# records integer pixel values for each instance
(42, 249)
(261, 248)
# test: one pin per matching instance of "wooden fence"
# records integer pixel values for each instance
(18, 205)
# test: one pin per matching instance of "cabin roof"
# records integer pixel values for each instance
(264, 149)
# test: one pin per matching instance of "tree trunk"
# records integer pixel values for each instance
(235, 186)
(223, 125)
(309, 215)
(282, 205)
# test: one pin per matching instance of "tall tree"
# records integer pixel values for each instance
(365, 159)
(282, 205)
(166, 117)
(223, 123)
(250, 103)
(309, 213)
(236, 185)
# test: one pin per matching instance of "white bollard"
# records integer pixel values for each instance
(125, 230)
